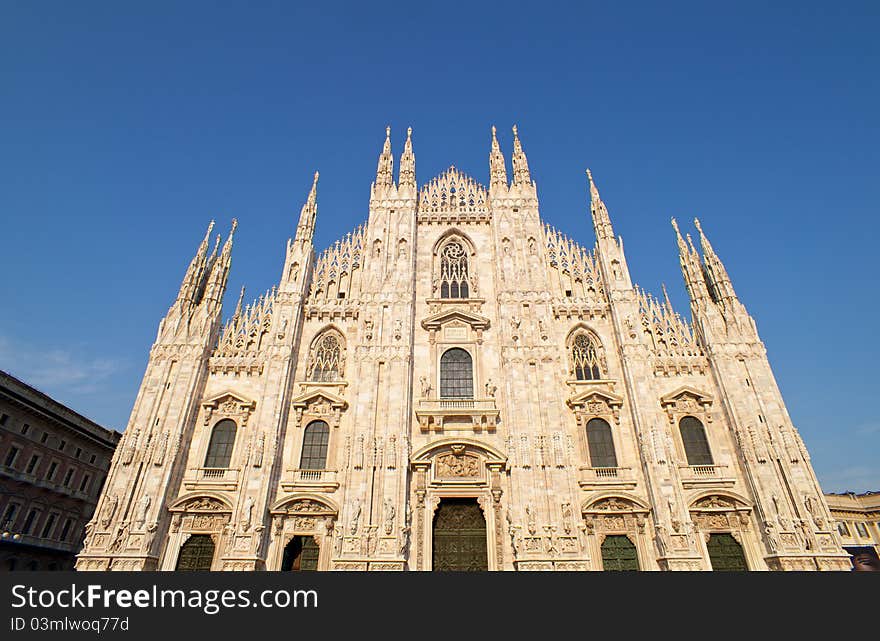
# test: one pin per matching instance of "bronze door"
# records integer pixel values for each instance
(619, 554)
(196, 554)
(726, 554)
(300, 555)
(460, 537)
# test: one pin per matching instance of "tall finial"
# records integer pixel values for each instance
(237, 313)
(601, 219)
(666, 296)
(690, 266)
(216, 283)
(385, 169)
(497, 166)
(313, 193)
(407, 177)
(718, 277)
(521, 175)
(305, 230)
(189, 288)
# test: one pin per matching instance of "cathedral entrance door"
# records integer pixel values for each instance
(726, 554)
(300, 555)
(460, 537)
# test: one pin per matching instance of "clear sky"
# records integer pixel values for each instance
(126, 127)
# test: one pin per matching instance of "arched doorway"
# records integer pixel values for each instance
(726, 554)
(300, 555)
(619, 554)
(196, 554)
(460, 543)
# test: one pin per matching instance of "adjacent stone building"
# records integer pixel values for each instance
(858, 523)
(53, 463)
(457, 385)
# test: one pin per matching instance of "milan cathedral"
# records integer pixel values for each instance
(456, 385)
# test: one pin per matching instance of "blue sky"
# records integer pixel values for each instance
(127, 126)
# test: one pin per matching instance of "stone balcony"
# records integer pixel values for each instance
(706, 475)
(314, 480)
(592, 478)
(457, 414)
(211, 478)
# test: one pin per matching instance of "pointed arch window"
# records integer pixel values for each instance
(454, 277)
(585, 357)
(221, 444)
(696, 445)
(456, 374)
(314, 451)
(327, 360)
(601, 444)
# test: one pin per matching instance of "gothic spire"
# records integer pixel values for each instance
(716, 272)
(521, 174)
(690, 266)
(216, 285)
(237, 313)
(497, 166)
(190, 285)
(305, 230)
(601, 219)
(407, 174)
(385, 170)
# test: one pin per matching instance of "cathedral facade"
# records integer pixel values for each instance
(456, 385)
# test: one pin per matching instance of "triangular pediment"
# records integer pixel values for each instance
(594, 396)
(225, 398)
(315, 396)
(436, 321)
(686, 391)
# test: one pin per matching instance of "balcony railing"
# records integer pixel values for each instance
(215, 477)
(314, 479)
(602, 476)
(705, 475)
(473, 413)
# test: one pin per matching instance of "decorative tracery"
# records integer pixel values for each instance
(327, 359)
(454, 278)
(585, 358)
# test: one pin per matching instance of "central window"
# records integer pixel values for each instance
(314, 452)
(456, 374)
(453, 271)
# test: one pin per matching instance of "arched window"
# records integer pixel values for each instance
(222, 442)
(454, 271)
(456, 374)
(585, 358)
(619, 554)
(300, 555)
(725, 554)
(196, 554)
(601, 444)
(326, 360)
(693, 437)
(314, 452)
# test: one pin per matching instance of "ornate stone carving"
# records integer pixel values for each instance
(458, 465)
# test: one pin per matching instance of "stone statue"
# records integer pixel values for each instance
(566, 517)
(389, 516)
(143, 507)
(355, 517)
(109, 510)
(490, 389)
(247, 513)
(426, 387)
